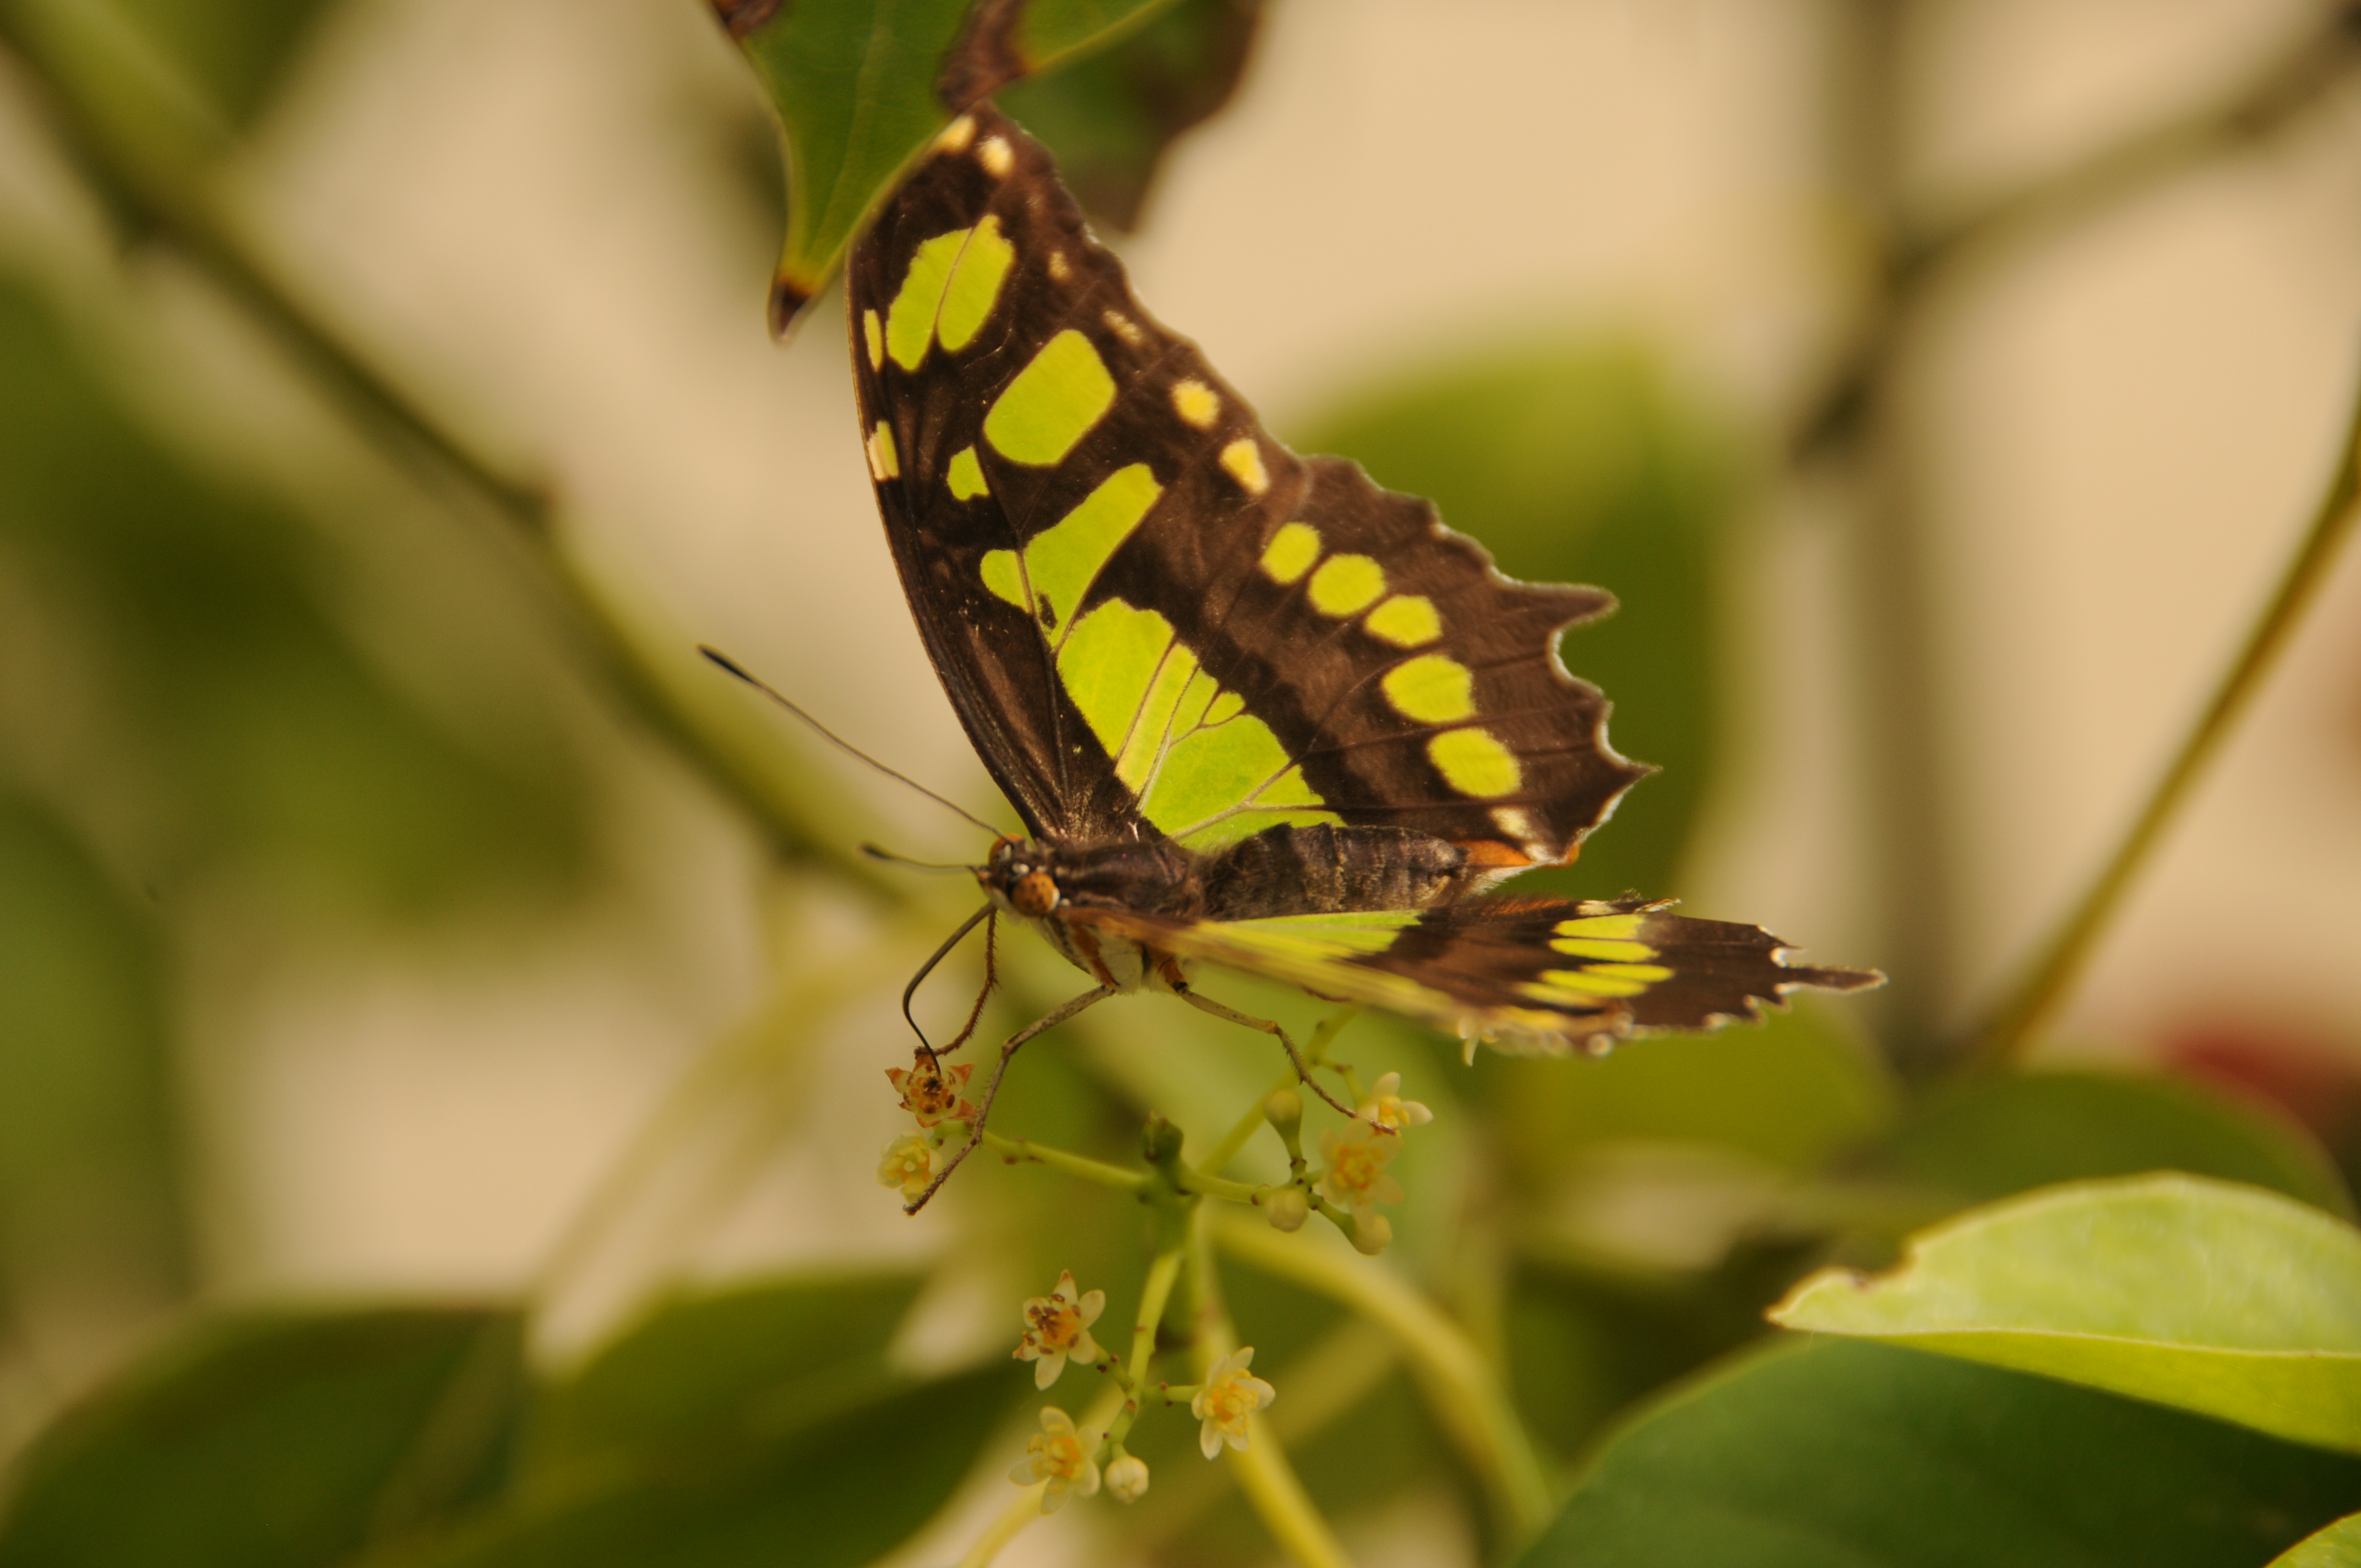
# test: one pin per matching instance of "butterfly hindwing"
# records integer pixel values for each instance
(1153, 619)
(1542, 974)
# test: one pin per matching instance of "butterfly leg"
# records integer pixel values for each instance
(1302, 1068)
(1048, 1021)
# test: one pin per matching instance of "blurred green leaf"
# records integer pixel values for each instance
(248, 723)
(1992, 1136)
(1792, 1091)
(835, 1493)
(89, 1153)
(754, 1357)
(2227, 1300)
(861, 86)
(1572, 462)
(2338, 1546)
(1111, 118)
(265, 1439)
(1848, 1452)
(234, 50)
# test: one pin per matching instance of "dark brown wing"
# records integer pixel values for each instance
(1152, 618)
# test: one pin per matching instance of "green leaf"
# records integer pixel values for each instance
(1572, 462)
(268, 1439)
(2338, 1546)
(2009, 1132)
(88, 1148)
(1111, 118)
(2227, 1300)
(1846, 1454)
(836, 1494)
(1791, 1092)
(861, 86)
(756, 1357)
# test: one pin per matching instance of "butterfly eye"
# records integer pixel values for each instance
(1035, 892)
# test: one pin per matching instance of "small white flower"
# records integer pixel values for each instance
(907, 1163)
(1058, 1325)
(1385, 1107)
(1356, 1177)
(1060, 1456)
(1127, 1479)
(1228, 1398)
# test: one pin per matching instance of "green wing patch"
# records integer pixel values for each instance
(1541, 975)
(1154, 620)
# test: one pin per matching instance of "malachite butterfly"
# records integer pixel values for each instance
(1256, 712)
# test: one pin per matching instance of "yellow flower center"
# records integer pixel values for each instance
(1057, 1456)
(1056, 1322)
(1229, 1402)
(1357, 1166)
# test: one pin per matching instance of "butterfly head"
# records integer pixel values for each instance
(1019, 876)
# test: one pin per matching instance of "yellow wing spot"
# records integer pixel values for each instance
(1618, 926)
(1195, 402)
(996, 156)
(1290, 552)
(872, 333)
(1243, 459)
(1124, 328)
(966, 476)
(1473, 761)
(1646, 973)
(1430, 689)
(1406, 620)
(884, 463)
(1052, 403)
(957, 135)
(1603, 948)
(1584, 986)
(1005, 577)
(1059, 268)
(1347, 584)
(1518, 824)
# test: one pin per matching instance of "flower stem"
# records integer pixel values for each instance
(2009, 1026)
(1315, 1054)
(1263, 1474)
(1468, 1400)
(1025, 1151)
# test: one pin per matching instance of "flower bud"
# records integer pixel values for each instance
(1288, 1209)
(1284, 1110)
(1127, 1479)
(1371, 1233)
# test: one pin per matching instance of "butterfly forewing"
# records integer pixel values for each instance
(1153, 619)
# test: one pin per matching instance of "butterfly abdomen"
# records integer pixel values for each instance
(1320, 870)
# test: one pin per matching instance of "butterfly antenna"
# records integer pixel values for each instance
(879, 852)
(987, 913)
(841, 744)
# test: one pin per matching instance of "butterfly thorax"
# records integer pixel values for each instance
(1318, 870)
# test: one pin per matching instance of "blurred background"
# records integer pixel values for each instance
(362, 935)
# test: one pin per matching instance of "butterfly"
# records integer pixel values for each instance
(1256, 712)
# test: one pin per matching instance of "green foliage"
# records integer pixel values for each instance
(2227, 1300)
(861, 86)
(1989, 1136)
(273, 1440)
(2338, 1546)
(755, 1357)
(88, 1124)
(1857, 1453)
(1573, 463)
(1111, 117)
(237, 695)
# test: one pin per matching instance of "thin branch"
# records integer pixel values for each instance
(2011, 1026)
(168, 209)
(2250, 112)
